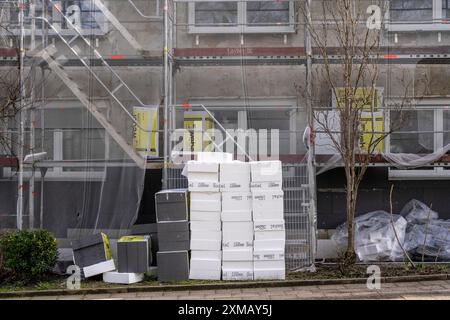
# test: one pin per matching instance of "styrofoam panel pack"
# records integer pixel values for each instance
(206, 240)
(269, 185)
(234, 244)
(236, 215)
(236, 201)
(205, 215)
(122, 278)
(202, 167)
(214, 157)
(269, 274)
(232, 230)
(267, 201)
(236, 275)
(206, 265)
(203, 186)
(268, 255)
(99, 268)
(238, 255)
(269, 225)
(277, 244)
(206, 205)
(265, 171)
(270, 235)
(235, 177)
(237, 270)
(205, 196)
(200, 226)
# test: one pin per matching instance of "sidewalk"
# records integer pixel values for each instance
(406, 290)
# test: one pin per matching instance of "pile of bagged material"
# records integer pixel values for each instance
(375, 238)
(426, 234)
(381, 236)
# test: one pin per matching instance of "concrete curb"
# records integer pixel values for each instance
(218, 286)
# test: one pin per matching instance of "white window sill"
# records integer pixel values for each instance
(239, 30)
(411, 27)
(417, 174)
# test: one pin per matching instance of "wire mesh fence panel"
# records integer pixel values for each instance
(175, 180)
(297, 217)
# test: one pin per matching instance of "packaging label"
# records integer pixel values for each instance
(237, 244)
(276, 226)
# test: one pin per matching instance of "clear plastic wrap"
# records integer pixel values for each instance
(375, 238)
(418, 212)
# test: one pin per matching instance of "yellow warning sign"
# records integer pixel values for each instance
(146, 142)
(196, 124)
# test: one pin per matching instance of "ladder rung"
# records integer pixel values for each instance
(117, 88)
(73, 39)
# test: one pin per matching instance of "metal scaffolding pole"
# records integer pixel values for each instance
(310, 160)
(22, 116)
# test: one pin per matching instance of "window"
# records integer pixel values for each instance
(446, 9)
(71, 134)
(83, 13)
(418, 15)
(422, 131)
(241, 17)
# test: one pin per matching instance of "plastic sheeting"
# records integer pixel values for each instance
(417, 229)
(375, 238)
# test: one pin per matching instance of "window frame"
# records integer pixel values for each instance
(242, 26)
(435, 173)
(103, 27)
(438, 23)
(58, 173)
(256, 104)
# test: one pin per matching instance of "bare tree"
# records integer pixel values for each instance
(347, 35)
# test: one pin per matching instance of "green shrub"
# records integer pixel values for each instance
(29, 254)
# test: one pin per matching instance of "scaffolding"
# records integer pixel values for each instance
(299, 170)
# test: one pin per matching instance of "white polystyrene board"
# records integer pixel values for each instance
(214, 157)
(236, 215)
(268, 185)
(195, 274)
(203, 186)
(269, 245)
(264, 255)
(202, 166)
(236, 201)
(269, 274)
(270, 235)
(235, 171)
(268, 215)
(236, 186)
(264, 171)
(266, 202)
(269, 264)
(205, 244)
(205, 215)
(237, 226)
(237, 235)
(204, 264)
(99, 268)
(234, 244)
(238, 255)
(206, 255)
(269, 225)
(207, 235)
(205, 196)
(205, 226)
(122, 278)
(200, 205)
(203, 176)
(238, 275)
(237, 265)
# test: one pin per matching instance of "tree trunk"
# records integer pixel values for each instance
(351, 196)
